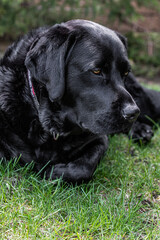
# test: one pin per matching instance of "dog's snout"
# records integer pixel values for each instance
(131, 112)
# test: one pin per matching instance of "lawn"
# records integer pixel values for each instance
(122, 201)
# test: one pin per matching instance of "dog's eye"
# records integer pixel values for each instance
(97, 71)
(126, 73)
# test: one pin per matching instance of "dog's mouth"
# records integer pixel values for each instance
(104, 129)
(124, 129)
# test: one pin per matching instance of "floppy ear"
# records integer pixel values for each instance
(46, 59)
(123, 39)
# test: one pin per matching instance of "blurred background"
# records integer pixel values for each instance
(138, 20)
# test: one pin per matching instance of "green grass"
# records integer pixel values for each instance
(121, 202)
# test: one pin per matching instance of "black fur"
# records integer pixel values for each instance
(78, 106)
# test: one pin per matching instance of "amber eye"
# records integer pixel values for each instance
(97, 71)
(126, 73)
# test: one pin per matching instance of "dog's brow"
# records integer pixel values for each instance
(91, 65)
(123, 61)
(126, 64)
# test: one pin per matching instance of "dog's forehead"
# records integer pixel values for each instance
(100, 44)
(101, 30)
(95, 29)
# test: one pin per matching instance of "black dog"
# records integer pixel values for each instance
(62, 90)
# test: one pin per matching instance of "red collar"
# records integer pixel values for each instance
(32, 91)
(34, 97)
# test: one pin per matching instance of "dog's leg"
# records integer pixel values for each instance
(82, 168)
(149, 103)
(11, 146)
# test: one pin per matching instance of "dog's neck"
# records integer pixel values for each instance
(36, 93)
(35, 99)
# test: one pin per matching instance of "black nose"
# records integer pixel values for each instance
(130, 112)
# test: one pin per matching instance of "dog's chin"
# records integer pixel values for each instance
(111, 129)
(124, 129)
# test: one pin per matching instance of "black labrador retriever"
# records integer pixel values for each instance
(63, 89)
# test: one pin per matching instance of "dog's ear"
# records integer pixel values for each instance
(46, 59)
(123, 39)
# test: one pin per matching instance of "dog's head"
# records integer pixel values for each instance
(83, 67)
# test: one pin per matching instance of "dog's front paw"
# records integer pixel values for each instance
(141, 132)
